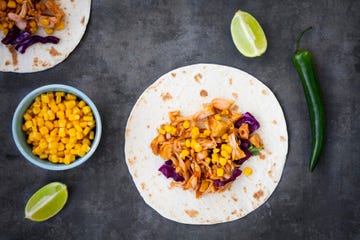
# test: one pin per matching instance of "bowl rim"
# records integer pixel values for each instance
(25, 103)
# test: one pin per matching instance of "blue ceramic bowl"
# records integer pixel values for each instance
(20, 138)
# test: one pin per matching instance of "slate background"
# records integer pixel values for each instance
(127, 46)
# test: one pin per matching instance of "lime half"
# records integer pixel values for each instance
(46, 202)
(247, 34)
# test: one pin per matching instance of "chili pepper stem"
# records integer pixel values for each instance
(300, 36)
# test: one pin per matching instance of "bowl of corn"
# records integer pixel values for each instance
(56, 127)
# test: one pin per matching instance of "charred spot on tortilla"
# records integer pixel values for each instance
(235, 95)
(53, 52)
(132, 161)
(173, 74)
(148, 126)
(198, 77)
(251, 82)
(191, 213)
(203, 93)
(264, 92)
(270, 172)
(258, 194)
(82, 20)
(143, 185)
(262, 156)
(234, 198)
(282, 138)
(234, 212)
(230, 81)
(7, 62)
(274, 122)
(245, 190)
(167, 96)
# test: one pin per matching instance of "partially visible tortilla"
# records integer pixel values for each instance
(39, 56)
(186, 89)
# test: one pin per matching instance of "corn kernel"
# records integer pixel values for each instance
(32, 23)
(27, 117)
(49, 125)
(225, 154)
(70, 104)
(218, 117)
(216, 150)
(72, 132)
(227, 148)
(187, 143)
(86, 110)
(220, 172)
(85, 147)
(222, 161)
(247, 171)
(225, 112)
(160, 130)
(44, 21)
(214, 158)
(87, 130)
(90, 119)
(45, 98)
(186, 124)
(48, 31)
(28, 124)
(79, 135)
(198, 147)
(225, 136)
(207, 132)
(44, 130)
(61, 147)
(11, 4)
(70, 96)
(195, 132)
(92, 135)
(184, 153)
(81, 104)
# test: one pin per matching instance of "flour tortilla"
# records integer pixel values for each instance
(186, 89)
(39, 56)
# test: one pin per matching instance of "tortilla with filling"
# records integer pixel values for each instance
(186, 89)
(39, 57)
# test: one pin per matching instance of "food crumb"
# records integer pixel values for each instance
(235, 95)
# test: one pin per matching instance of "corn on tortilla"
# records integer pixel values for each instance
(186, 89)
(39, 57)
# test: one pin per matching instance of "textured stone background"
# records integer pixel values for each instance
(127, 46)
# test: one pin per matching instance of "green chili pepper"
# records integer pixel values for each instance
(303, 63)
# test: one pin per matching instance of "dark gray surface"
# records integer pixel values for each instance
(127, 46)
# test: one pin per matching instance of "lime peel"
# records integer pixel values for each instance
(46, 202)
(247, 34)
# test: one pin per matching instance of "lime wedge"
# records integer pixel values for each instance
(247, 34)
(46, 202)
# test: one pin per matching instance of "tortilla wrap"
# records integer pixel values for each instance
(187, 89)
(39, 57)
